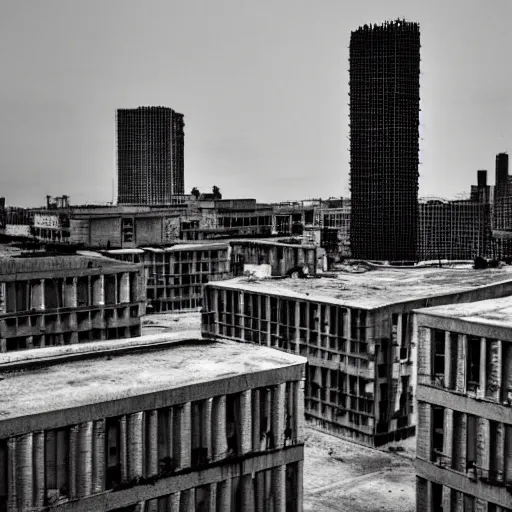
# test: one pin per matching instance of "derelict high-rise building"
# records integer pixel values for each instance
(384, 140)
(150, 159)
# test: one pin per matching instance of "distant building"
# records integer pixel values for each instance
(187, 426)
(357, 332)
(464, 441)
(384, 140)
(150, 155)
(502, 178)
(65, 300)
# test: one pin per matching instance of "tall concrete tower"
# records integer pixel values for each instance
(150, 159)
(501, 175)
(384, 140)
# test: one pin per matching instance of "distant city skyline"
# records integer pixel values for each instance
(265, 93)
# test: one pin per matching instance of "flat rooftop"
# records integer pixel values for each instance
(13, 265)
(496, 312)
(375, 288)
(96, 380)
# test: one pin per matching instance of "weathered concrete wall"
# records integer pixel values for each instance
(148, 230)
(106, 230)
(79, 231)
(171, 229)
(17, 230)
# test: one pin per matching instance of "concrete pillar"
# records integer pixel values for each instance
(181, 435)
(241, 318)
(423, 444)
(480, 505)
(299, 410)
(460, 379)
(24, 472)
(174, 502)
(279, 488)
(73, 462)
(494, 377)
(188, 500)
(278, 413)
(224, 494)
(448, 436)
(246, 421)
(447, 498)
(39, 469)
(458, 501)
(98, 475)
(259, 492)
(85, 442)
(300, 486)
(212, 501)
(134, 444)
(508, 453)
(70, 292)
(152, 443)
(448, 377)
(269, 316)
(98, 290)
(123, 447)
(423, 495)
(247, 490)
(507, 372)
(460, 442)
(124, 288)
(424, 351)
(482, 374)
(256, 420)
(2, 299)
(297, 327)
(399, 333)
(499, 451)
(65, 460)
(482, 445)
(220, 446)
(12, 495)
(206, 429)
(37, 293)
(214, 308)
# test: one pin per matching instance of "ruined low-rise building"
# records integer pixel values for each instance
(193, 426)
(356, 331)
(62, 300)
(464, 443)
(175, 275)
(283, 258)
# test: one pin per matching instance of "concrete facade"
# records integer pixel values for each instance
(64, 300)
(464, 444)
(357, 333)
(180, 429)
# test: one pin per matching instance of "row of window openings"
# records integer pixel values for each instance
(19, 294)
(263, 492)
(59, 478)
(52, 340)
(472, 364)
(469, 501)
(464, 458)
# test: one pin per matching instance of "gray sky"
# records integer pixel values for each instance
(263, 85)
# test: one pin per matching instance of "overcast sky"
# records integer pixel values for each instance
(263, 85)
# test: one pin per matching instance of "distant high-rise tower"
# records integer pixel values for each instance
(150, 163)
(384, 140)
(501, 175)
